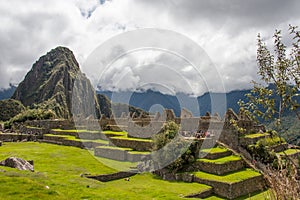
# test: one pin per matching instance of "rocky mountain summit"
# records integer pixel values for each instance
(51, 82)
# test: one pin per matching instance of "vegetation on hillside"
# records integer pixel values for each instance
(10, 108)
(30, 114)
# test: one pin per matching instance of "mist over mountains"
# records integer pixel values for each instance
(50, 84)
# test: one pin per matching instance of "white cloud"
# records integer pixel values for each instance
(225, 30)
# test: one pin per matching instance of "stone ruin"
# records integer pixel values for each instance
(144, 127)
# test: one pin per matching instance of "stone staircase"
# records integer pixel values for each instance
(226, 173)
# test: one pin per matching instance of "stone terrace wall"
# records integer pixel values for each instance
(51, 124)
(134, 144)
(12, 137)
(234, 190)
(111, 177)
(218, 169)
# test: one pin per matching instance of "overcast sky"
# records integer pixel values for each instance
(225, 30)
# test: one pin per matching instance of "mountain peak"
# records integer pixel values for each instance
(50, 82)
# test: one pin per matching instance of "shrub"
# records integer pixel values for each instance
(31, 114)
(10, 108)
(176, 150)
(260, 151)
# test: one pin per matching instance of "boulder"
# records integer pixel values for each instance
(17, 163)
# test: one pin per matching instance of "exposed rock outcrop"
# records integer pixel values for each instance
(17, 163)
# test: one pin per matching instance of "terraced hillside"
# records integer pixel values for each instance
(224, 173)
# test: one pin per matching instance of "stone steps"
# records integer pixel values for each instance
(249, 139)
(219, 166)
(232, 185)
(214, 153)
(134, 143)
(72, 141)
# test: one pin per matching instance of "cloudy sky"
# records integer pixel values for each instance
(225, 30)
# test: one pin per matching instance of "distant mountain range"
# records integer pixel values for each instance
(197, 105)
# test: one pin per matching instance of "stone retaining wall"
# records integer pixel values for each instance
(120, 154)
(64, 133)
(50, 124)
(74, 143)
(89, 136)
(218, 169)
(213, 156)
(115, 154)
(111, 177)
(33, 130)
(248, 141)
(12, 137)
(134, 144)
(234, 190)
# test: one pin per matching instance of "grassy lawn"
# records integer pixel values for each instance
(75, 131)
(289, 152)
(255, 135)
(114, 147)
(215, 150)
(132, 139)
(221, 160)
(229, 178)
(139, 152)
(59, 168)
(70, 137)
(120, 133)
